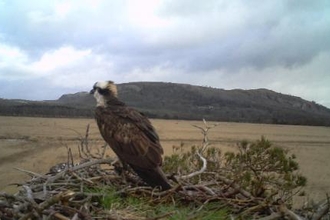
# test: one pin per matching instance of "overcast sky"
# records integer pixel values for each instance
(49, 48)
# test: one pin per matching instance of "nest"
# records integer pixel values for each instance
(75, 191)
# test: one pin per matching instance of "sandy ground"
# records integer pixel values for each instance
(36, 144)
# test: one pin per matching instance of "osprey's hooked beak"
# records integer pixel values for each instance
(92, 91)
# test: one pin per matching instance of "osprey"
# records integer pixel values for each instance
(130, 135)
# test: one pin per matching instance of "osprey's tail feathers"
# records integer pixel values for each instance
(153, 177)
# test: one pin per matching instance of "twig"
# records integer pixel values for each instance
(70, 158)
(60, 216)
(202, 170)
(31, 173)
(289, 213)
(323, 211)
(235, 186)
(29, 194)
(204, 131)
(80, 166)
(104, 148)
(199, 152)
(272, 216)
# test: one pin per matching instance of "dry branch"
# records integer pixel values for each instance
(323, 210)
(205, 144)
(202, 170)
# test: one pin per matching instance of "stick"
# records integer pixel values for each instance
(202, 170)
(32, 174)
(289, 213)
(200, 151)
(72, 169)
(273, 216)
(323, 211)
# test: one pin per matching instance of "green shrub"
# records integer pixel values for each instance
(259, 168)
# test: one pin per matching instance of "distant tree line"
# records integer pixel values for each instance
(269, 116)
(35, 110)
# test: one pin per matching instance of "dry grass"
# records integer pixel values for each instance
(38, 143)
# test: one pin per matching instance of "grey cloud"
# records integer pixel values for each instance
(212, 42)
(32, 27)
(266, 34)
(273, 33)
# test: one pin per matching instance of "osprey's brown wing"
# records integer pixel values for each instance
(134, 140)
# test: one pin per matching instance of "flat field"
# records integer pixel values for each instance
(36, 144)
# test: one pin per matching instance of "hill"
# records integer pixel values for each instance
(183, 101)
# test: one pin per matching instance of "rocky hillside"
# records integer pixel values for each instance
(182, 101)
(169, 100)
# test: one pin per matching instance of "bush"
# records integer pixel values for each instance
(256, 171)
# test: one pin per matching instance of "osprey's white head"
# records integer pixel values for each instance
(104, 91)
